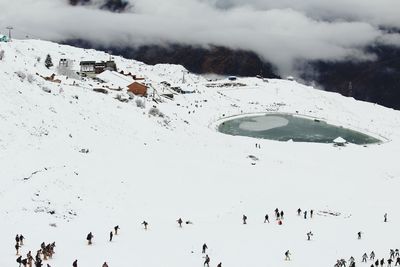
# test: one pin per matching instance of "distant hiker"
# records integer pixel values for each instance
(359, 235)
(266, 219)
(351, 259)
(111, 236)
(105, 264)
(75, 263)
(377, 263)
(19, 260)
(385, 217)
(219, 264)
(364, 257)
(372, 255)
(397, 261)
(305, 214)
(392, 254)
(397, 252)
(89, 238)
(17, 239)
(116, 228)
(311, 213)
(382, 262)
(145, 225)
(38, 262)
(309, 235)
(30, 258)
(244, 219)
(204, 248)
(389, 262)
(17, 248)
(24, 262)
(282, 214)
(277, 213)
(207, 261)
(21, 240)
(180, 222)
(287, 256)
(298, 211)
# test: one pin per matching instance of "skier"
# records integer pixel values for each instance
(89, 238)
(364, 257)
(305, 214)
(385, 217)
(207, 261)
(266, 218)
(244, 219)
(145, 225)
(372, 255)
(180, 222)
(287, 256)
(17, 248)
(111, 236)
(75, 263)
(116, 228)
(105, 264)
(309, 234)
(298, 211)
(204, 248)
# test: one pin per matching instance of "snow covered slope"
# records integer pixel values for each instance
(160, 168)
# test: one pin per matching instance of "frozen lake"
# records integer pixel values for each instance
(285, 127)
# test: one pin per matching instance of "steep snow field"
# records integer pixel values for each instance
(141, 167)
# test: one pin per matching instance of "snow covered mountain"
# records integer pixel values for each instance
(74, 160)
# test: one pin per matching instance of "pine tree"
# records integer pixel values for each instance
(48, 62)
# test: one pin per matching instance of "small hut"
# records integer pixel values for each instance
(137, 89)
(340, 141)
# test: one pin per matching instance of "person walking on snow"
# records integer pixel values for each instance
(116, 228)
(282, 214)
(392, 254)
(111, 236)
(105, 264)
(287, 255)
(311, 213)
(17, 248)
(359, 235)
(397, 261)
(89, 238)
(145, 225)
(207, 261)
(180, 222)
(266, 219)
(364, 257)
(382, 262)
(309, 235)
(385, 217)
(298, 212)
(219, 264)
(244, 219)
(75, 263)
(204, 248)
(21, 240)
(372, 255)
(396, 252)
(389, 262)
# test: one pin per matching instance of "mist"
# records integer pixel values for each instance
(280, 32)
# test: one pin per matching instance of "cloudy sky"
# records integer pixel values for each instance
(280, 31)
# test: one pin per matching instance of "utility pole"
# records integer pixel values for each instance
(9, 28)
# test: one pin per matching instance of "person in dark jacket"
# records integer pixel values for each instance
(207, 261)
(116, 228)
(105, 264)
(244, 218)
(17, 248)
(219, 264)
(145, 224)
(298, 212)
(111, 236)
(266, 218)
(89, 238)
(204, 248)
(75, 263)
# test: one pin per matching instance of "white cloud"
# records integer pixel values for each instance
(279, 31)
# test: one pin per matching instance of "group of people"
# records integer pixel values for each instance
(207, 258)
(394, 256)
(46, 250)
